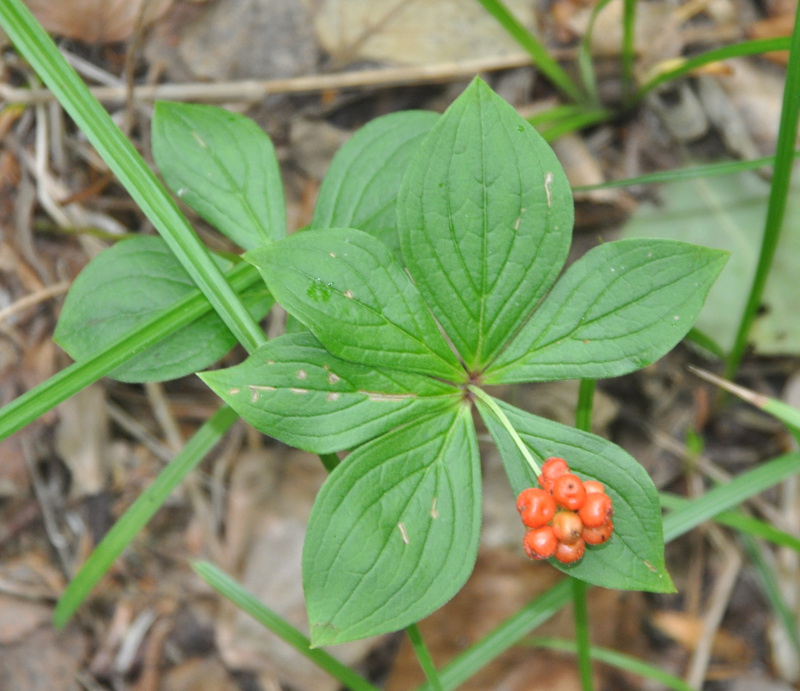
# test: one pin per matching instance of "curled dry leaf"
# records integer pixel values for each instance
(96, 21)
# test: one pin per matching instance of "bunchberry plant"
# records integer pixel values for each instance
(431, 270)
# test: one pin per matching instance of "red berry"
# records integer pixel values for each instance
(596, 510)
(598, 535)
(568, 492)
(592, 487)
(540, 543)
(568, 527)
(552, 469)
(536, 507)
(570, 554)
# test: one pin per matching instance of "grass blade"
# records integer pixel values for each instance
(541, 58)
(140, 512)
(123, 159)
(229, 588)
(628, 49)
(672, 69)
(679, 174)
(616, 659)
(424, 657)
(30, 405)
(778, 194)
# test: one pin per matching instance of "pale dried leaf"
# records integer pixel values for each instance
(95, 21)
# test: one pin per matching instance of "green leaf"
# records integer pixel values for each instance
(728, 213)
(394, 531)
(617, 309)
(354, 296)
(223, 166)
(485, 216)
(127, 285)
(293, 389)
(633, 559)
(361, 186)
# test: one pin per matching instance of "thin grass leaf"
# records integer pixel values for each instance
(541, 58)
(672, 69)
(788, 415)
(779, 193)
(585, 64)
(724, 497)
(233, 591)
(129, 167)
(680, 174)
(628, 49)
(140, 512)
(772, 590)
(587, 118)
(739, 521)
(47, 395)
(627, 663)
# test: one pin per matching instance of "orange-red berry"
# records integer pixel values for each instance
(567, 526)
(568, 492)
(598, 535)
(536, 507)
(540, 543)
(552, 469)
(596, 510)
(570, 554)
(592, 487)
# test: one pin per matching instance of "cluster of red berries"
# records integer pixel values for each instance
(564, 515)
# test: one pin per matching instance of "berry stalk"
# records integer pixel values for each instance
(489, 402)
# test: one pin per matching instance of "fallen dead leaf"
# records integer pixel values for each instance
(687, 629)
(96, 21)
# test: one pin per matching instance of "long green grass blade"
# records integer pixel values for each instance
(690, 173)
(772, 590)
(628, 49)
(229, 588)
(140, 512)
(541, 58)
(673, 69)
(738, 521)
(129, 167)
(585, 65)
(778, 194)
(30, 405)
(616, 659)
(731, 494)
(574, 123)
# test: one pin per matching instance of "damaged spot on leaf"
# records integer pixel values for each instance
(403, 533)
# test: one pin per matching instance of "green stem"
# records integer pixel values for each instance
(583, 411)
(424, 657)
(779, 192)
(582, 639)
(488, 401)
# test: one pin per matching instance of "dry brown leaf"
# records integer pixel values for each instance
(96, 21)
(687, 630)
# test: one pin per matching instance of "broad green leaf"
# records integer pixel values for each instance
(633, 559)
(394, 531)
(485, 221)
(130, 283)
(361, 186)
(728, 213)
(350, 291)
(224, 167)
(617, 309)
(293, 389)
